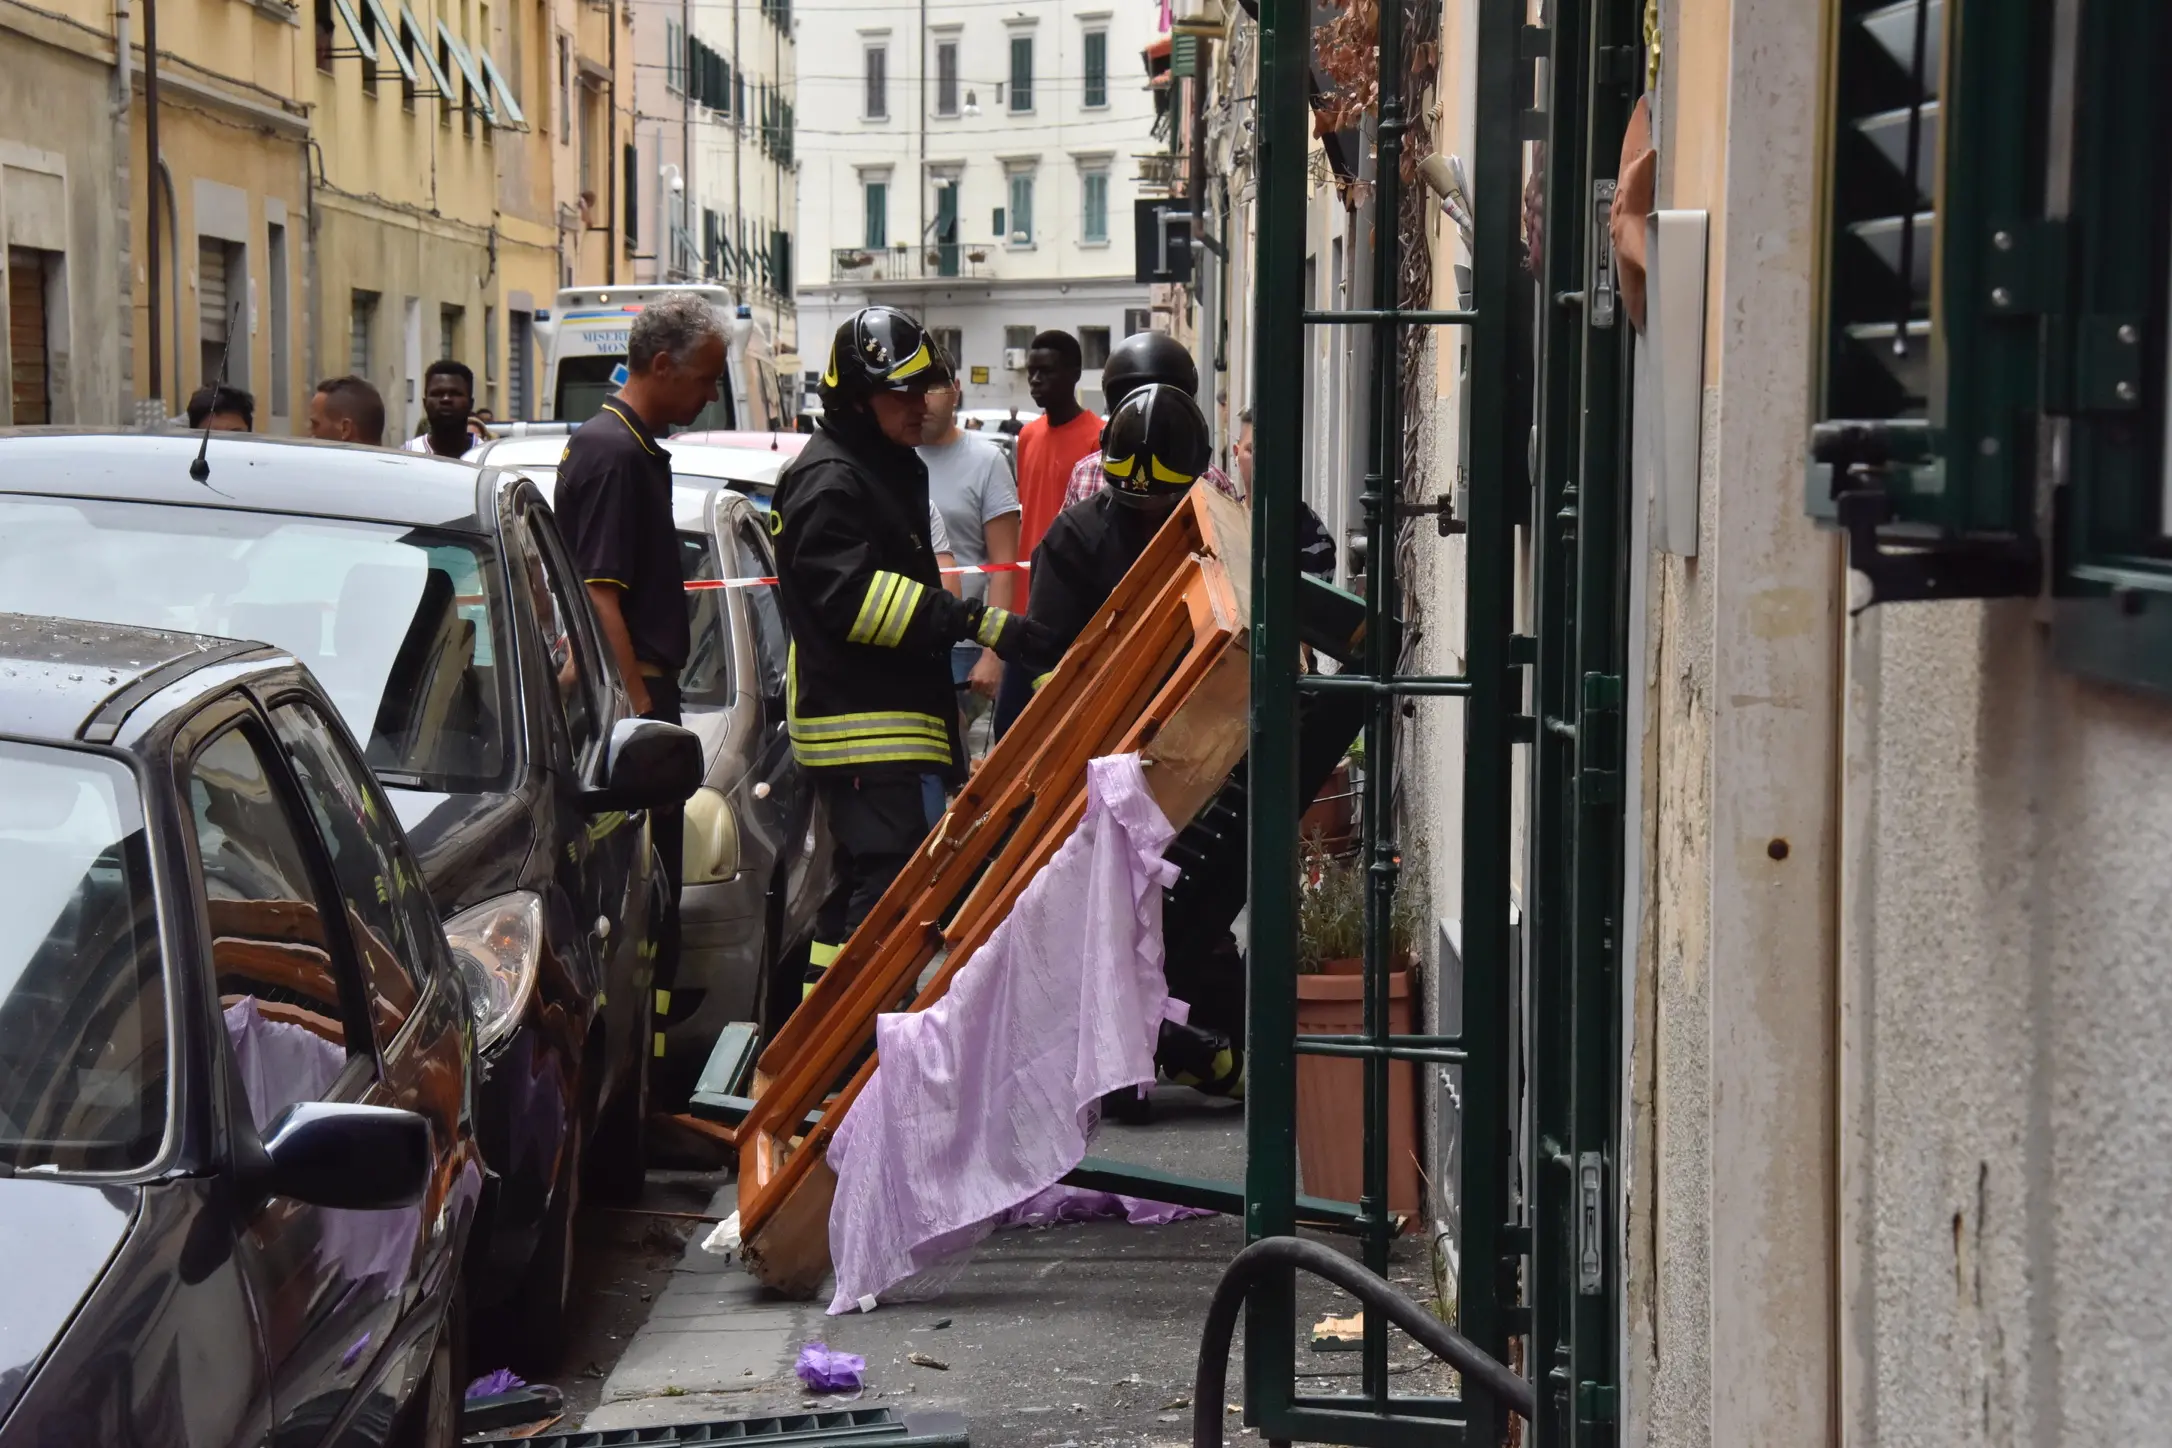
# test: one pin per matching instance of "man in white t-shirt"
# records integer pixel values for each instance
(969, 482)
(448, 400)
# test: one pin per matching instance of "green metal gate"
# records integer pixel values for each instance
(1538, 1276)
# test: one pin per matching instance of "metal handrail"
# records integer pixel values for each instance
(1270, 1255)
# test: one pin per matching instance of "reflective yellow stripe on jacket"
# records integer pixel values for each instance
(883, 737)
(887, 610)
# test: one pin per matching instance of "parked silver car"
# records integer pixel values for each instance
(757, 851)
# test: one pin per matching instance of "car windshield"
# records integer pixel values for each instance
(400, 624)
(83, 1050)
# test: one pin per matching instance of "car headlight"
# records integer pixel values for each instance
(495, 945)
(712, 838)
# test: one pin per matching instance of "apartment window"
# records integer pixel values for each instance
(588, 148)
(1021, 233)
(878, 82)
(222, 287)
(519, 335)
(946, 77)
(1141, 319)
(449, 322)
(275, 268)
(1021, 73)
(31, 278)
(1093, 205)
(327, 35)
(675, 57)
(565, 90)
(630, 165)
(877, 197)
(361, 322)
(951, 342)
(1017, 339)
(1093, 346)
(1097, 69)
(490, 358)
(996, 228)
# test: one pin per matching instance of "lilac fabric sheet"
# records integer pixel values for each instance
(984, 1100)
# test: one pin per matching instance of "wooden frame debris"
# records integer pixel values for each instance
(1163, 670)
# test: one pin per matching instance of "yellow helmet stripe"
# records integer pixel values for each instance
(919, 362)
(1119, 467)
(1164, 474)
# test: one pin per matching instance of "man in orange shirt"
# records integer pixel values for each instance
(1049, 447)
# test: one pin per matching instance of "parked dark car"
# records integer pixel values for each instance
(445, 622)
(758, 856)
(237, 1166)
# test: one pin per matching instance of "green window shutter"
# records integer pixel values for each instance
(1936, 249)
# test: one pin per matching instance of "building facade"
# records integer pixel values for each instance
(980, 170)
(716, 128)
(64, 243)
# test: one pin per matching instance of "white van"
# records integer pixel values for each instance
(585, 358)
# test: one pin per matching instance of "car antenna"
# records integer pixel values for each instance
(200, 468)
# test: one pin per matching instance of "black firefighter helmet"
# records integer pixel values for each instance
(1145, 357)
(1154, 445)
(878, 349)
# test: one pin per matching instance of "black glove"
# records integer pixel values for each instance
(1014, 637)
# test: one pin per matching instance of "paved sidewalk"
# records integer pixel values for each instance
(1071, 1337)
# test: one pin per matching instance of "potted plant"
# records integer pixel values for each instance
(977, 255)
(853, 260)
(1331, 1002)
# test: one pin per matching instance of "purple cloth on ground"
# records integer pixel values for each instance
(1060, 1204)
(824, 1371)
(984, 1100)
(489, 1385)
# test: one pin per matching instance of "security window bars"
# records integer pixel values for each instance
(1021, 73)
(1097, 69)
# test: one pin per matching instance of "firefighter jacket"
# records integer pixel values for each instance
(868, 676)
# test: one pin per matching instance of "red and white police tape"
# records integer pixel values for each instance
(704, 584)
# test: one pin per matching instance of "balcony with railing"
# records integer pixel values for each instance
(930, 262)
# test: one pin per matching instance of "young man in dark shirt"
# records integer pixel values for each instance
(614, 507)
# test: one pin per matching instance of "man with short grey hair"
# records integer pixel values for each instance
(614, 508)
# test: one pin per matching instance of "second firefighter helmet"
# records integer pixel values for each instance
(878, 349)
(1154, 445)
(1145, 357)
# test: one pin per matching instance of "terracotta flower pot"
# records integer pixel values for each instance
(1331, 1091)
(1330, 817)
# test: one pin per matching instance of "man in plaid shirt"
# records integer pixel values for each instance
(1141, 358)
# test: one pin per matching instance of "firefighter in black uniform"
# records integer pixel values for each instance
(872, 711)
(1154, 446)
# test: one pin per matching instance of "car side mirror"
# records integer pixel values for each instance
(354, 1158)
(648, 765)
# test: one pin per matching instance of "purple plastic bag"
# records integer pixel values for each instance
(824, 1371)
(504, 1380)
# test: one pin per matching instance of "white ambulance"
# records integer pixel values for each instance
(584, 342)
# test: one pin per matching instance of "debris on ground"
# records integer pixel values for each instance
(824, 1371)
(489, 1385)
(922, 1360)
(724, 1239)
(1339, 1334)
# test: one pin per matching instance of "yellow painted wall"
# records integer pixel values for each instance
(231, 133)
